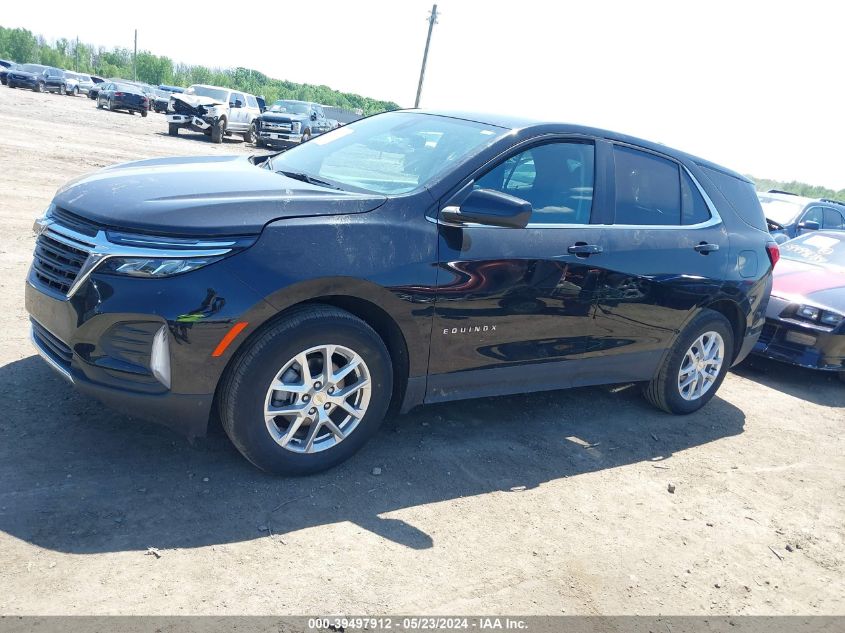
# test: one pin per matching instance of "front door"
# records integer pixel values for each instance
(514, 306)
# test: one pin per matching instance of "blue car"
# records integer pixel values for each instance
(790, 215)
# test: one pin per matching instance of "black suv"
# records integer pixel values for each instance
(407, 258)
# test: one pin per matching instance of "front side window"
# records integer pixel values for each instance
(556, 178)
(237, 96)
(390, 153)
(648, 189)
(833, 219)
(814, 214)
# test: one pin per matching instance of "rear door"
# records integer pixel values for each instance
(666, 254)
(514, 306)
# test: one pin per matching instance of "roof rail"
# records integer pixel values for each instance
(786, 193)
(832, 201)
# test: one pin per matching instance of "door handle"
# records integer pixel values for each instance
(705, 248)
(584, 250)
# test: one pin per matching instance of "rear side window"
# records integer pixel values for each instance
(741, 196)
(648, 189)
(251, 102)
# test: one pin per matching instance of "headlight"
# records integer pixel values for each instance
(295, 127)
(818, 315)
(154, 266)
(808, 312)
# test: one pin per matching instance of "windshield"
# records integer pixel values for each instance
(125, 88)
(218, 94)
(290, 107)
(33, 68)
(822, 249)
(390, 153)
(781, 211)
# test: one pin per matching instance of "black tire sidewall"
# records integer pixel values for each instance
(705, 322)
(249, 432)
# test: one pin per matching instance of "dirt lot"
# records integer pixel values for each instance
(547, 504)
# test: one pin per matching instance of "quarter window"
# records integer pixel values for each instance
(251, 102)
(693, 208)
(648, 189)
(556, 178)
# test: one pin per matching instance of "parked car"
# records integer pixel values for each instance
(304, 293)
(288, 122)
(94, 91)
(215, 111)
(805, 319)
(123, 96)
(84, 83)
(160, 100)
(171, 89)
(790, 215)
(28, 76)
(61, 81)
(5, 66)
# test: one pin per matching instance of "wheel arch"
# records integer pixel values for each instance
(732, 312)
(365, 308)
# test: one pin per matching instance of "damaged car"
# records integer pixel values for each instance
(214, 111)
(805, 319)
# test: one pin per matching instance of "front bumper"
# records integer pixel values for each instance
(281, 138)
(23, 83)
(805, 346)
(102, 339)
(185, 120)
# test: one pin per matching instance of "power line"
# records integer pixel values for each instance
(432, 20)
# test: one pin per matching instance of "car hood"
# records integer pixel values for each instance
(800, 282)
(196, 100)
(25, 73)
(283, 117)
(201, 196)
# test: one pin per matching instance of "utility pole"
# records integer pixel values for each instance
(135, 59)
(76, 56)
(432, 20)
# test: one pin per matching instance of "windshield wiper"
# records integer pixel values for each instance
(309, 179)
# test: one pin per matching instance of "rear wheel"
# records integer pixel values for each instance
(308, 392)
(250, 135)
(218, 130)
(143, 113)
(110, 105)
(306, 135)
(172, 129)
(695, 367)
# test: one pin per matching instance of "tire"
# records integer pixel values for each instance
(143, 113)
(99, 104)
(664, 391)
(245, 390)
(250, 136)
(306, 135)
(75, 91)
(172, 129)
(109, 105)
(39, 87)
(62, 90)
(218, 130)
(259, 142)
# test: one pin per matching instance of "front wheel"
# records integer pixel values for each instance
(39, 87)
(143, 113)
(62, 90)
(306, 136)
(218, 130)
(75, 91)
(172, 129)
(308, 392)
(695, 366)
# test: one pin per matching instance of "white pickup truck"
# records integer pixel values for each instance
(215, 111)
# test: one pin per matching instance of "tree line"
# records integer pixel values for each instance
(800, 188)
(23, 46)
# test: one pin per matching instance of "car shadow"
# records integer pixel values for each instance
(206, 138)
(820, 387)
(80, 478)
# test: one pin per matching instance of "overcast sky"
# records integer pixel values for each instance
(757, 86)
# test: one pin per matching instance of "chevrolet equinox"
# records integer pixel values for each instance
(411, 257)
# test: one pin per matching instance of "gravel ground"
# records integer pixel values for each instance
(545, 504)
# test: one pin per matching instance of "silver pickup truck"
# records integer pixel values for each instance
(215, 111)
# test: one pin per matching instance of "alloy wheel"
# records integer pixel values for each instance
(701, 365)
(317, 399)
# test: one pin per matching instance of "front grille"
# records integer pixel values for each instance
(52, 344)
(274, 127)
(180, 107)
(61, 250)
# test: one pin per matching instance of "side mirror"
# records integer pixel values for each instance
(313, 116)
(489, 208)
(809, 225)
